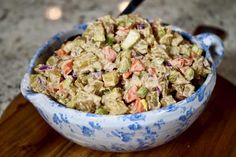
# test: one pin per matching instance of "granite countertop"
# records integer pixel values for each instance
(24, 27)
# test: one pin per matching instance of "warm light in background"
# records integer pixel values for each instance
(53, 13)
(122, 5)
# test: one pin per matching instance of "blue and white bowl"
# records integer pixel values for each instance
(123, 133)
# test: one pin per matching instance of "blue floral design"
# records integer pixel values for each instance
(150, 138)
(95, 125)
(64, 118)
(125, 137)
(171, 108)
(201, 93)
(159, 123)
(135, 126)
(56, 119)
(184, 119)
(191, 98)
(134, 117)
(87, 131)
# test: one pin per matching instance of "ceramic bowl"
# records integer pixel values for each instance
(123, 133)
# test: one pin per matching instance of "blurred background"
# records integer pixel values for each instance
(26, 24)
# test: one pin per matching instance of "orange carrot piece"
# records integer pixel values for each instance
(131, 94)
(110, 54)
(137, 65)
(152, 71)
(67, 67)
(126, 74)
(61, 53)
(138, 106)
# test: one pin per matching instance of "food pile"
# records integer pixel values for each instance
(122, 65)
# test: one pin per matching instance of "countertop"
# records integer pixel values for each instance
(26, 24)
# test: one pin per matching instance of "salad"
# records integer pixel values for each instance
(122, 65)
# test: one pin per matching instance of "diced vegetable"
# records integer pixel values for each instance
(167, 100)
(188, 90)
(153, 100)
(157, 61)
(197, 50)
(95, 31)
(141, 46)
(131, 39)
(177, 39)
(124, 65)
(144, 104)
(61, 53)
(126, 74)
(116, 107)
(67, 67)
(142, 92)
(109, 53)
(175, 77)
(131, 95)
(110, 79)
(161, 31)
(53, 60)
(189, 74)
(101, 111)
(137, 65)
(185, 50)
(138, 106)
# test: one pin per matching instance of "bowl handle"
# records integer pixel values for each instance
(214, 45)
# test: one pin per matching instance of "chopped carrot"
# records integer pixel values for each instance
(110, 54)
(67, 67)
(180, 62)
(131, 94)
(61, 53)
(126, 74)
(138, 106)
(137, 65)
(152, 71)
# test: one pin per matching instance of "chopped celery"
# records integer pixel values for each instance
(110, 78)
(131, 39)
(176, 77)
(167, 100)
(141, 46)
(71, 104)
(142, 92)
(110, 40)
(97, 66)
(157, 61)
(116, 107)
(101, 111)
(188, 90)
(52, 61)
(177, 39)
(189, 74)
(84, 60)
(124, 65)
(185, 50)
(161, 31)
(116, 47)
(197, 50)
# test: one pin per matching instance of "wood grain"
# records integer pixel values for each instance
(24, 133)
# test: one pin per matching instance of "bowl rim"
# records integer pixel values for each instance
(27, 92)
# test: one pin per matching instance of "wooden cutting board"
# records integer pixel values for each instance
(24, 133)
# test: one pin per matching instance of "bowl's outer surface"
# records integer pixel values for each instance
(123, 133)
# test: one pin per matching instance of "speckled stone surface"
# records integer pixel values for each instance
(24, 27)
